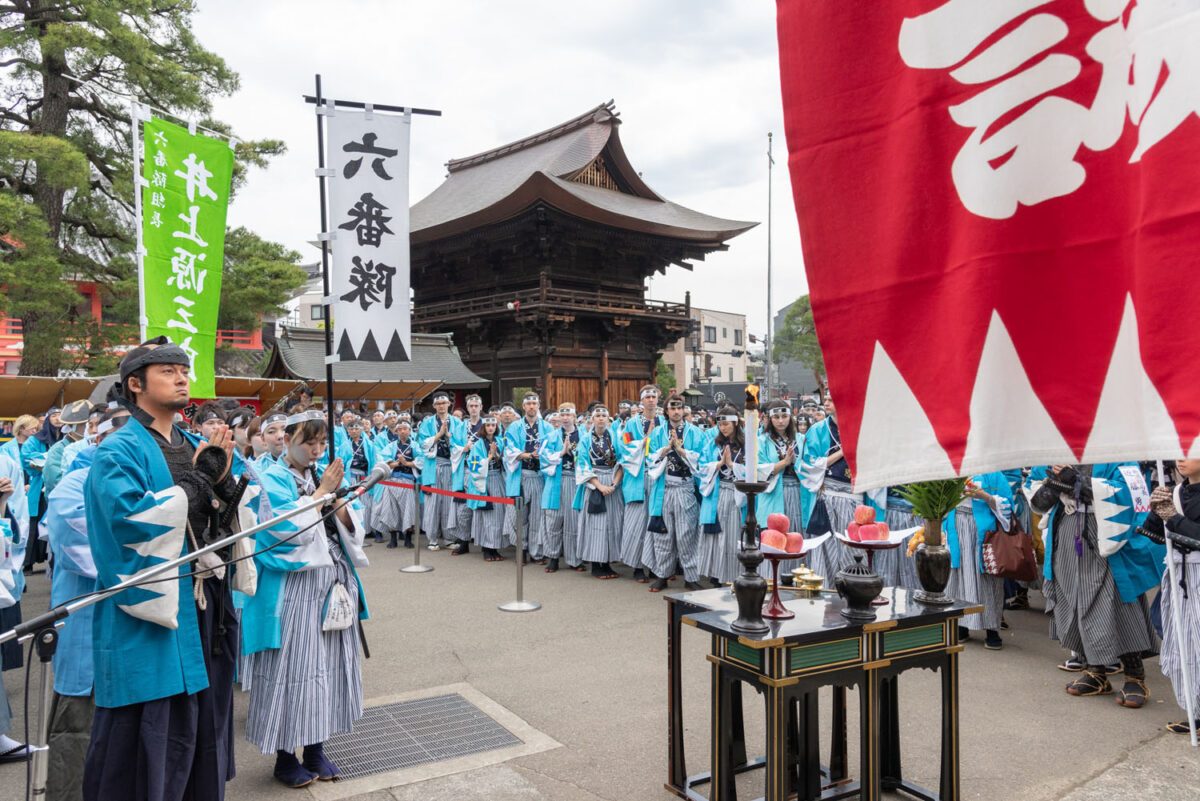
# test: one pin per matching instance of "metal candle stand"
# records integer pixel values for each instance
(750, 588)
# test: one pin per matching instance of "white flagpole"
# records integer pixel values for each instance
(770, 339)
(139, 180)
(1177, 615)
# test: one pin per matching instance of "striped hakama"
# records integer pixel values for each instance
(902, 569)
(637, 543)
(795, 515)
(967, 583)
(439, 517)
(600, 534)
(487, 525)
(311, 686)
(562, 527)
(1089, 616)
(718, 551)
(463, 518)
(1187, 634)
(681, 517)
(396, 510)
(532, 519)
(831, 557)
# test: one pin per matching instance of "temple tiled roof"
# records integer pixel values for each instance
(578, 167)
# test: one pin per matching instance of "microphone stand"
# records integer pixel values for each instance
(44, 627)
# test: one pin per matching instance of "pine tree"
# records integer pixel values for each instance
(66, 164)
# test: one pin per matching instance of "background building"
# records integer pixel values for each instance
(713, 352)
(791, 377)
(535, 256)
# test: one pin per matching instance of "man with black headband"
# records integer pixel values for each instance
(165, 654)
(442, 441)
(673, 464)
(523, 442)
(637, 546)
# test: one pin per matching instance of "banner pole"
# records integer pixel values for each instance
(325, 271)
(136, 133)
(1177, 614)
(520, 605)
(416, 566)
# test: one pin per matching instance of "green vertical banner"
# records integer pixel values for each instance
(185, 195)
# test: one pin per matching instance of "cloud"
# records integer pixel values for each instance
(697, 85)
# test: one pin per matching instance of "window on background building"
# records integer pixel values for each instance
(724, 333)
(316, 312)
(730, 378)
(695, 379)
(737, 336)
(710, 333)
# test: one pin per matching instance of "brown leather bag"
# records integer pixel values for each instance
(1009, 554)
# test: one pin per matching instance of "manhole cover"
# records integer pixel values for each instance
(398, 736)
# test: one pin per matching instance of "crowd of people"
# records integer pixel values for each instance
(144, 680)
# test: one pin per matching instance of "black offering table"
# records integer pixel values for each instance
(789, 664)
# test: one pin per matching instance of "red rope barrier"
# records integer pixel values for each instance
(435, 491)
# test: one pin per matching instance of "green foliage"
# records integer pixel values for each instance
(933, 500)
(259, 277)
(664, 376)
(796, 339)
(66, 166)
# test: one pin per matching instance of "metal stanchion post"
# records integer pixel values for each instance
(416, 566)
(520, 605)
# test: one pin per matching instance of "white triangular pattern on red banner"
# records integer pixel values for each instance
(895, 426)
(1131, 410)
(1008, 421)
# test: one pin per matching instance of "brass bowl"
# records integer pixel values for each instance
(799, 574)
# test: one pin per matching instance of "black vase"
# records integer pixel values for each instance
(933, 570)
(859, 585)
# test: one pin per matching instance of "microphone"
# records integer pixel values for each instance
(361, 488)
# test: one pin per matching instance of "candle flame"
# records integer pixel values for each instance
(752, 396)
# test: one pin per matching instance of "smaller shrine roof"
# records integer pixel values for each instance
(578, 167)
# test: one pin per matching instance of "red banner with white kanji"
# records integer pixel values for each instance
(999, 204)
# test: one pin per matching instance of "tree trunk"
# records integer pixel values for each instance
(42, 341)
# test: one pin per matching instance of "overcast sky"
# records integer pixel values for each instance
(696, 85)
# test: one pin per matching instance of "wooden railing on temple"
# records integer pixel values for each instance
(11, 334)
(551, 302)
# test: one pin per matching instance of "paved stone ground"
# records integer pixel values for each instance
(588, 671)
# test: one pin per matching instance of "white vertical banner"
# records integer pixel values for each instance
(368, 211)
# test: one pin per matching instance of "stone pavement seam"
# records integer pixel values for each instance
(1124, 755)
(558, 780)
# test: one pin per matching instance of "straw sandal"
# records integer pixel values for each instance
(1090, 683)
(1134, 694)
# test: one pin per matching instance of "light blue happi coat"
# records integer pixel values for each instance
(550, 459)
(299, 544)
(631, 455)
(814, 462)
(656, 462)
(427, 450)
(146, 640)
(987, 516)
(1136, 562)
(74, 575)
(514, 445)
(16, 538)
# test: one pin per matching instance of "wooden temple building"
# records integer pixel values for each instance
(535, 256)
